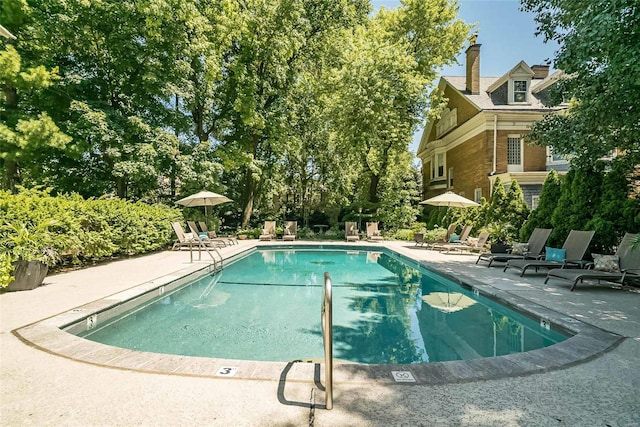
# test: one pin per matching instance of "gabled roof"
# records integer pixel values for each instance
(483, 99)
(548, 81)
(521, 69)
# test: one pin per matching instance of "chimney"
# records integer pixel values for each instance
(540, 71)
(473, 67)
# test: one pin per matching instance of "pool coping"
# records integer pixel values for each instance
(588, 342)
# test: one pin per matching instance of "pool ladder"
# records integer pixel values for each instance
(217, 263)
(327, 338)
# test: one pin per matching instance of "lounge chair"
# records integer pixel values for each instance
(533, 248)
(184, 240)
(468, 247)
(351, 231)
(269, 231)
(466, 230)
(290, 230)
(629, 267)
(212, 234)
(575, 246)
(373, 234)
(443, 239)
(203, 236)
(418, 238)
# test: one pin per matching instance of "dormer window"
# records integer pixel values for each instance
(519, 91)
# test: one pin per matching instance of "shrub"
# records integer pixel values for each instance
(93, 228)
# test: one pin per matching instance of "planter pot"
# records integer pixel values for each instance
(499, 248)
(242, 237)
(29, 275)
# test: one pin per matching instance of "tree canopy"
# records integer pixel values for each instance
(288, 106)
(600, 54)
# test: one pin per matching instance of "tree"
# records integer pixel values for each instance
(388, 67)
(616, 212)
(28, 134)
(516, 209)
(579, 197)
(600, 51)
(541, 216)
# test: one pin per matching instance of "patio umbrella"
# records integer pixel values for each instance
(204, 198)
(448, 302)
(450, 200)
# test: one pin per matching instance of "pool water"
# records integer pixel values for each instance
(266, 306)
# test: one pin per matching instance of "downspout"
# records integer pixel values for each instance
(495, 150)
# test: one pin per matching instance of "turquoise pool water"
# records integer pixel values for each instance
(266, 306)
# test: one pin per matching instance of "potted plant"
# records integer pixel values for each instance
(28, 254)
(500, 236)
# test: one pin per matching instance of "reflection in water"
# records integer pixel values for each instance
(267, 307)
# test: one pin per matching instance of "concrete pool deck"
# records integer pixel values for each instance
(42, 388)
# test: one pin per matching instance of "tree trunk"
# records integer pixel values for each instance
(121, 187)
(373, 189)
(249, 195)
(11, 175)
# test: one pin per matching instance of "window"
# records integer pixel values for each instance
(477, 195)
(450, 177)
(448, 121)
(437, 166)
(514, 154)
(519, 91)
(535, 200)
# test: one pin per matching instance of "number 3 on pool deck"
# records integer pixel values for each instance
(227, 371)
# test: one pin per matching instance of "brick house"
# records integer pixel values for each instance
(479, 135)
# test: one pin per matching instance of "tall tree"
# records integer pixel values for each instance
(28, 133)
(600, 51)
(541, 216)
(389, 65)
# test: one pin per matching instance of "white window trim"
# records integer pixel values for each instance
(551, 161)
(519, 167)
(535, 202)
(511, 85)
(477, 195)
(434, 166)
(448, 121)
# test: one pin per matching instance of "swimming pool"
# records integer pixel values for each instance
(265, 306)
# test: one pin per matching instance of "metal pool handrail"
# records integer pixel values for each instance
(327, 338)
(207, 249)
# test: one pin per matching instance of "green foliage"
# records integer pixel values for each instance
(541, 216)
(579, 198)
(516, 209)
(83, 230)
(6, 269)
(616, 213)
(600, 49)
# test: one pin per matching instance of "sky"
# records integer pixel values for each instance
(506, 34)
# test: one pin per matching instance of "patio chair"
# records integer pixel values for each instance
(212, 234)
(184, 240)
(574, 248)
(627, 268)
(464, 236)
(373, 234)
(290, 230)
(532, 249)
(351, 231)
(443, 239)
(203, 236)
(269, 231)
(418, 238)
(468, 247)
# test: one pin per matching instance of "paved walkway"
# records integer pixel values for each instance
(41, 388)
